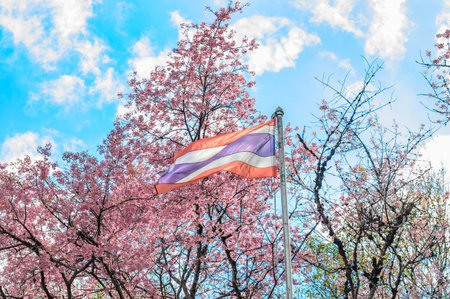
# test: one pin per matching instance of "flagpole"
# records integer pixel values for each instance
(284, 205)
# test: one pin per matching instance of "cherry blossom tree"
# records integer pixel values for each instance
(437, 76)
(380, 215)
(93, 226)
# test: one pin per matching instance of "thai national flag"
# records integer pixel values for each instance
(249, 153)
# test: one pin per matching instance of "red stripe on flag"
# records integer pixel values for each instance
(236, 167)
(220, 140)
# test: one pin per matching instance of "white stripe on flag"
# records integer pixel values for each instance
(205, 154)
(199, 156)
(246, 157)
(265, 129)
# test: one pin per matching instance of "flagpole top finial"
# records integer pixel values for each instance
(278, 112)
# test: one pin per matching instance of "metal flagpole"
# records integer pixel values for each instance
(284, 206)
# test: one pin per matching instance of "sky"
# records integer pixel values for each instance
(63, 62)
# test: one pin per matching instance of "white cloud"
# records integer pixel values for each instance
(353, 89)
(342, 63)
(345, 64)
(145, 60)
(221, 3)
(387, 36)
(337, 15)
(70, 16)
(443, 18)
(436, 152)
(178, 20)
(30, 32)
(27, 31)
(66, 90)
(91, 55)
(274, 53)
(443, 23)
(259, 26)
(121, 111)
(73, 145)
(108, 86)
(53, 30)
(328, 54)
(21, 145)
(48, 29)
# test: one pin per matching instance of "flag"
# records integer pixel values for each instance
(249, 153)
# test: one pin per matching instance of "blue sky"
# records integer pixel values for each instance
(62, 63)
